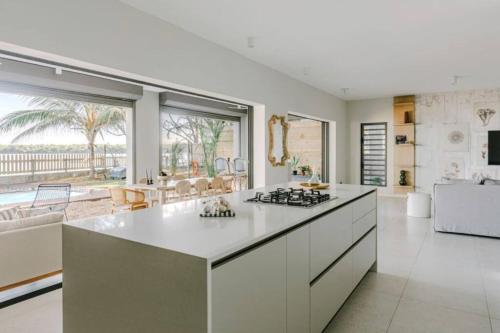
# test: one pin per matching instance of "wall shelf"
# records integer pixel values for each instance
(404, 159)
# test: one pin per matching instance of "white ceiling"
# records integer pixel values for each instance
(373, 47)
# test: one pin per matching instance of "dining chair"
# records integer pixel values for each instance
(183, 189)
(221, 166)
(218, 185)
(240, 171)
(201, 186)
(121, 202)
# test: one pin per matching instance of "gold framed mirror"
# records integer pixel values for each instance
(278, 150)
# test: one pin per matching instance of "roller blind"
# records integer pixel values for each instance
(25, 78)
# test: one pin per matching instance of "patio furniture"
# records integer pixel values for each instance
(121, 202)
(201, 186)
(240, 171)
(30, 248)
(53, 196)
(221, 166)
(183, 189)
(195, 166)
(218, 185)
(118, 173)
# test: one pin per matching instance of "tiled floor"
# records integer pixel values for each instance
(427, 282)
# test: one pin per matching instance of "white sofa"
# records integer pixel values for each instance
(30, 247)
(467, 208)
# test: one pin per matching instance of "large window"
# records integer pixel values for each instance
(374, 154)
(190, 142)
(47, 139)
(308, 147)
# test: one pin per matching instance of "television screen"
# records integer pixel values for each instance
(494, 147)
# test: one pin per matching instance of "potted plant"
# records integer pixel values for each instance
(294, 162)
(305, 170)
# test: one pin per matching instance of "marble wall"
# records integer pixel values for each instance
(451, 135)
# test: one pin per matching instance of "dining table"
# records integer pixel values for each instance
(163, 188)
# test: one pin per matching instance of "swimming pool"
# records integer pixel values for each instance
(10, 198)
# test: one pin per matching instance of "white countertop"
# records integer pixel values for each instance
(179, 227)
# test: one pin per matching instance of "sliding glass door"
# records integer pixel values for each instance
(191, 142)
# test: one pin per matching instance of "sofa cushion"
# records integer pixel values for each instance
(489, 181)
(8, 214)
(450, 181)
(31, 221)
(23, 213)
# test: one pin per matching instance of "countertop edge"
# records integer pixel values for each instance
(221, 261)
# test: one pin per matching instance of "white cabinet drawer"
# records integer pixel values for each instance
(364, 205)
(361, 226)
(249, 292)
(297, 281)
(331, 235)
(329, 293)
(364, 255)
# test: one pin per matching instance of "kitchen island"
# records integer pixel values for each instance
(272, 268)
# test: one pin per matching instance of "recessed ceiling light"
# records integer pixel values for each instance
(58, 71)
(251, 42)
(344, 90)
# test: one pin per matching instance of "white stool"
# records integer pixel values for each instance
(419, 204)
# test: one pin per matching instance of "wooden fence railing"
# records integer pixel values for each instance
(11, 164)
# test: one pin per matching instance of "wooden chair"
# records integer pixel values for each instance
(201, 186)
(121, 202)
(218, 185)
(183, 189)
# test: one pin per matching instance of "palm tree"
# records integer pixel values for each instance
(55, 114)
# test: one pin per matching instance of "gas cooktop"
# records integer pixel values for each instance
(292, 197)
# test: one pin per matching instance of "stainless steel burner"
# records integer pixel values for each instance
(292, 197)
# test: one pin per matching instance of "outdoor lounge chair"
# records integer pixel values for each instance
(55, 197)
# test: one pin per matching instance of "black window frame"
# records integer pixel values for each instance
(362, 161)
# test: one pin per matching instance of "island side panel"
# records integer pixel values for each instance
(115, 285)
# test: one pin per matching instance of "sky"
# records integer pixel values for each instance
(11, 102)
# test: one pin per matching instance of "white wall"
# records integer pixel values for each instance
(147, 131)
(434, 112)
(369, 111)
(118, 38)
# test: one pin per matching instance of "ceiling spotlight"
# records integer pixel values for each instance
(58, 70)
(344, 90)
(455, 79)
(251, 42)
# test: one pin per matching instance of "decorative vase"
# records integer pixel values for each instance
(402, 178)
